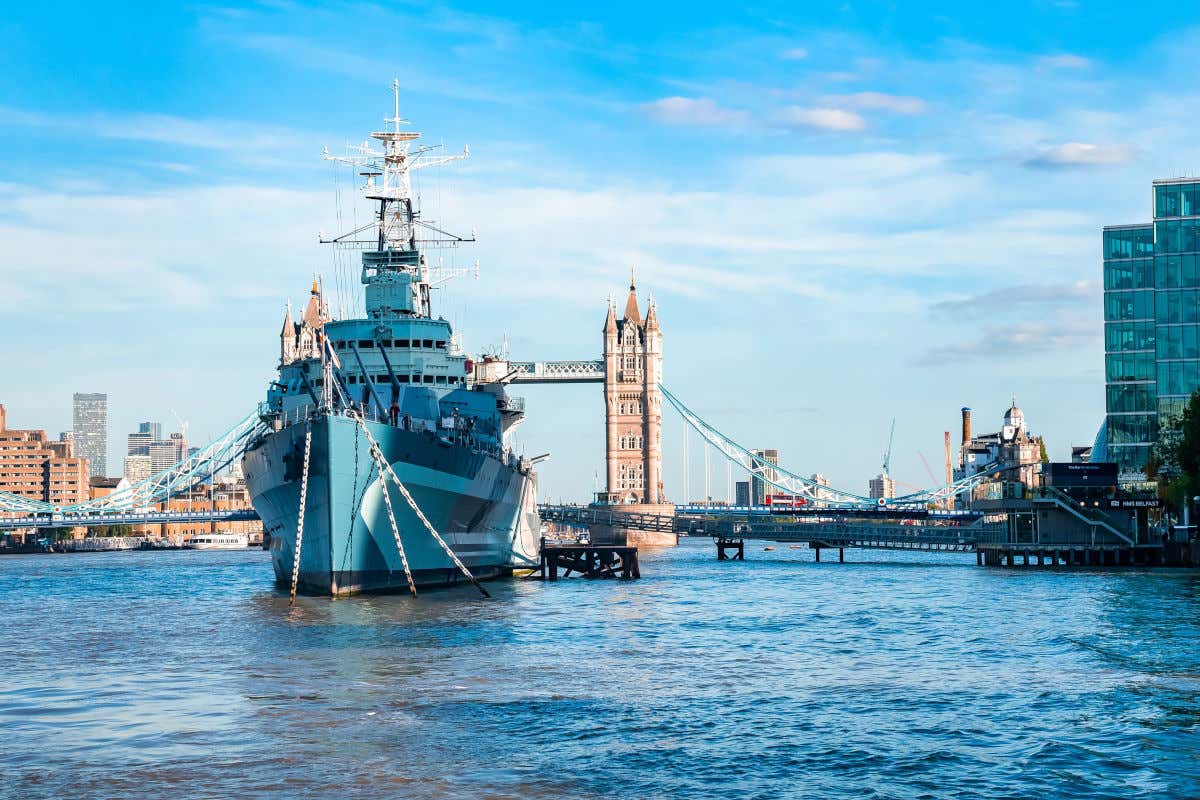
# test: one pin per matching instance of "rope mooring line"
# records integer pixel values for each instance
(387, 500)
(387, 468)
(300, 520)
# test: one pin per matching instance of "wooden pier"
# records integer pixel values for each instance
(1052, 555)
(588, 560)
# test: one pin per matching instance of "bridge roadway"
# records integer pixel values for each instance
(126, 518)
(932, 530)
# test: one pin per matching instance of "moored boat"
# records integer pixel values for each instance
(386, 465)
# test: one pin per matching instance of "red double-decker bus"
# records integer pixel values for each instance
(785, 502)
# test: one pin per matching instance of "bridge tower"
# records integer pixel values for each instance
(633, 357)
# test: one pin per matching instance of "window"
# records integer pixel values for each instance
(1122, 336)
(1129, 367)
(440, 345)
(402, 343)
(1170, 342)
(1129, 242)
(385, 342)
(427, 379)
(1128, 305)
(402, 378)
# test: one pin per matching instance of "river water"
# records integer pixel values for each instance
(186, 674)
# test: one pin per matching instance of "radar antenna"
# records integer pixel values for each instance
(387, 181)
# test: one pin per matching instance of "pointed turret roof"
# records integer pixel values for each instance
(289, 327)
(314, 312)
(651, 313)
(631, 305)
(610, 321)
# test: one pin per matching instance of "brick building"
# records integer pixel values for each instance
(34, 466)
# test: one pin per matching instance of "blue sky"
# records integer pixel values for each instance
(846, 211)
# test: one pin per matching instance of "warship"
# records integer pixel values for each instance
(384, 464)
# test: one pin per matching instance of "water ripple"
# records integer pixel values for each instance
(899, 676)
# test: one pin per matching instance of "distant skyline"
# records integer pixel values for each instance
(845, 211)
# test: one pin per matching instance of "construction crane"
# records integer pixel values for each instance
(183, 424)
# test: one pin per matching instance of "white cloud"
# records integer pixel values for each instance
(1080, 154)
(1064, 61)
(878, 101)
(701, 111)
(207, 134)
(1020, 340)
(828, 119)
(1026, 297)
(794, 54)
(189, 248)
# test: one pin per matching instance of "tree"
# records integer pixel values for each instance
(1175, 457)
(1045, 455)
(1164, 454)
(1187, 453)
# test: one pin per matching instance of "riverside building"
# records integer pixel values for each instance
(1151, 322)
(33, 466)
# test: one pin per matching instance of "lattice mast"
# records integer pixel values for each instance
(387, 186)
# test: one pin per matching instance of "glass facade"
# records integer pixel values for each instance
(1151, 321)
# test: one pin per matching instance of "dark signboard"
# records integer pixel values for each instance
(1152, 502)
(1063, 474)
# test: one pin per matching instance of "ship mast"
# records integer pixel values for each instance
(387, 173)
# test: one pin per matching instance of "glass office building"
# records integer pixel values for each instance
(1151, 321)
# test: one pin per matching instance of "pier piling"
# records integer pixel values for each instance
(588, 560)
(735, 546)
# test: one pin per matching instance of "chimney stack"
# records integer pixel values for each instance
(966, 425)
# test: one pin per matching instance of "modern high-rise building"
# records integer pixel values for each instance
(1151, 321)
(166, 453)
(139, 442)
(91, 430)
(881, 487)
(160, 453)
(741, 493)
(759, 487)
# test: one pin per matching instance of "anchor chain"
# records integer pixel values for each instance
(300, 520)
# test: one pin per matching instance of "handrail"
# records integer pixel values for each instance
(1070, 504)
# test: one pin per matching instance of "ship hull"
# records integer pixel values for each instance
(482, 507)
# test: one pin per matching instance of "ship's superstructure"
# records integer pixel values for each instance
(409, 471)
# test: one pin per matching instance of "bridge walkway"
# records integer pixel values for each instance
(816, 532)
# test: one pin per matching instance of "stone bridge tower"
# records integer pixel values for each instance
(633, 358)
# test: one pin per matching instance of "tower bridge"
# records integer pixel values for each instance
(633, 508)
